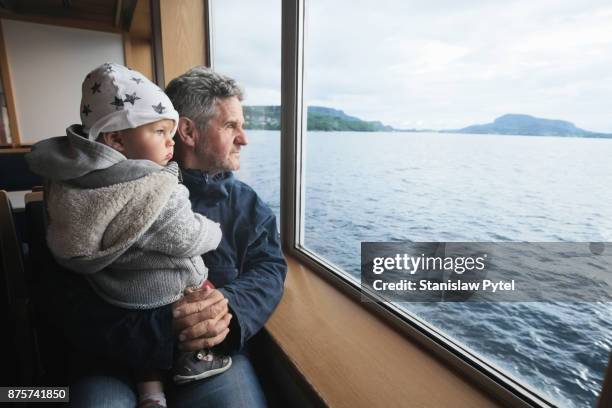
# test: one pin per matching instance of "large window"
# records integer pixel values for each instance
(246, 39)
(434, 122)
(440, 122)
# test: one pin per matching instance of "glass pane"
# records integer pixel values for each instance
(247, 45)
(426, 122)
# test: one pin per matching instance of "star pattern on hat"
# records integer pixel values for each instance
(159, 108)
(118, 102)
(131, 98)
(121, 92)
(95, 88)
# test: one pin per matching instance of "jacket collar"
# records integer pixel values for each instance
(74, 158)
(214, 187)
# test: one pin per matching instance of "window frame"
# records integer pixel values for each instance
(507, 389)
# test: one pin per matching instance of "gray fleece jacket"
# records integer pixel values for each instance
(126, 224)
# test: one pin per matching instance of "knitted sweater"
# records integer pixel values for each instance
(126, 224)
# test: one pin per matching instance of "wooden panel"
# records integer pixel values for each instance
(138, 55)
(92, 14)
(14, 150)
(103, 15)
(63, 22)
(91, 10)
(141, 20)
(352, 359)
(137, 45)
(8, 92)
(182, 35)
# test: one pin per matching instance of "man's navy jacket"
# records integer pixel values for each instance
(248, 267)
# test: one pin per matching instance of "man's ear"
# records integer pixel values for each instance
(187, 131)
(113, 139)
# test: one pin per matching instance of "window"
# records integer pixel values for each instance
(246, 47)
(394, 149)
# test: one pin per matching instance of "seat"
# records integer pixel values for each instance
(20, 345)
(35, 233)
(52, 346)
(14, 172)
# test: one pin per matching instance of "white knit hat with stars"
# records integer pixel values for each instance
(115, 97)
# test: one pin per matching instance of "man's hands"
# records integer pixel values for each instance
(201, 319)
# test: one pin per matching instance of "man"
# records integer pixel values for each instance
(247, 269)
(248, 266)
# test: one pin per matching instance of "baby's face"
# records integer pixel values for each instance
(152, 141)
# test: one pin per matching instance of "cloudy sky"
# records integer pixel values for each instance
(441, 64)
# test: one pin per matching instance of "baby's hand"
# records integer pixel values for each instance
(191, 290)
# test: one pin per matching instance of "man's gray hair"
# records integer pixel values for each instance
(195, 93)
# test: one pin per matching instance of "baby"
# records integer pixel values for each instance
(118, 214)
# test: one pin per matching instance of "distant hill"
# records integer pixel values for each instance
(515, 124)
(319, 118)
(329, 119)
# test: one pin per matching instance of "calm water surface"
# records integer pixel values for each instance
(447, 187)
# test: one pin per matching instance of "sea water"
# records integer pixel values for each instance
(425, 187)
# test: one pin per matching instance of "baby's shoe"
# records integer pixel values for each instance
(196, 365)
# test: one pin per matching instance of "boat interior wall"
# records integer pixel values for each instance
(68, 39)
(48, 93)
(351, 357)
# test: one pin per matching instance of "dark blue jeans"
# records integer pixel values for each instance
(238, 387)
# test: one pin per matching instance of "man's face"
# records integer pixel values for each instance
(218, 146)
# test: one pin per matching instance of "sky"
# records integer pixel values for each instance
(440, 64)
